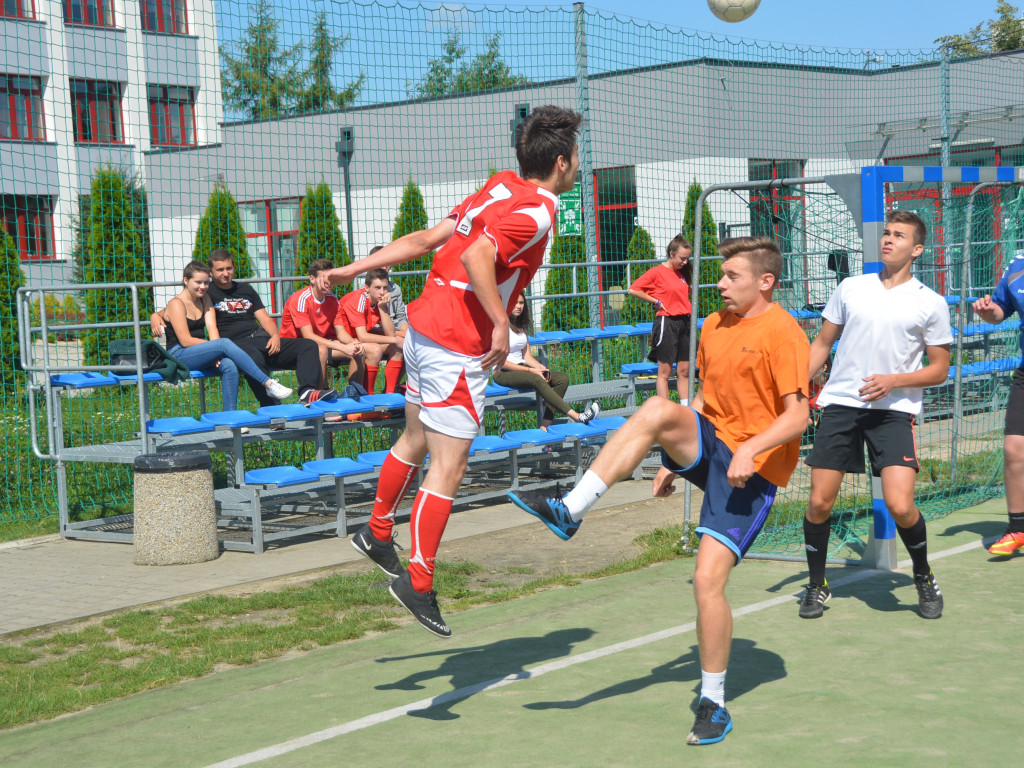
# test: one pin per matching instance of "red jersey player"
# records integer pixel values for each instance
(491, 245)
(366, 311)
(314, 314)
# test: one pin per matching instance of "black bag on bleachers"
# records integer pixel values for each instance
(154, 359)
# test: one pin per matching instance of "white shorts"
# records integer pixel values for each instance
(448, 386)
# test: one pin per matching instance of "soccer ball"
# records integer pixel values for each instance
(733, 10)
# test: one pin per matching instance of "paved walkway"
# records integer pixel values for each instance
(49, 580)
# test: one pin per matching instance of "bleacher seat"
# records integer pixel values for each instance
(279, 477)
(493, 444)
(577, 430)
(337, 467)
(235, 419)
(178, 425)
(83, 380)
(374, 458)
(527, 437)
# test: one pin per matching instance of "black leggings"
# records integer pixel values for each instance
(552, 391)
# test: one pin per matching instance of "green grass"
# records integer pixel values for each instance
(46, 673)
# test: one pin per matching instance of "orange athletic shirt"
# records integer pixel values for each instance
(747, 365)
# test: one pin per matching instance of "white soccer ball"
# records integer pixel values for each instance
(733, 10)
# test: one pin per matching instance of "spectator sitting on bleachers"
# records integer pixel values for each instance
(366, 311)
(243, 318)
(316, 315)
(396, 303)
(188, 314)
(522, 370)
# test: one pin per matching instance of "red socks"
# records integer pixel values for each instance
(430, 513)
(395, 478)
(371, 379)
(392, 374)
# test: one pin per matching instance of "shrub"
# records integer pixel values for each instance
(412, 217)
(572, 311)
(319, 233)
(114, 254)
(709, 299)
(221, 228)
(640, 248)
(11, 279)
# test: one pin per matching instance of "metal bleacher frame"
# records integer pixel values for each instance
(269, 504)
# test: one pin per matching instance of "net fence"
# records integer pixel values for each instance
(137, 135)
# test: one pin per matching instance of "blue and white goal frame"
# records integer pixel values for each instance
(864, 195)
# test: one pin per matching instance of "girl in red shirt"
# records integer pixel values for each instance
(667, 287)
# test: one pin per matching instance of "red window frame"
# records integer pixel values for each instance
(96, 112)
(168, 16)
(21, 112)
(172, 109)
(29, 222)
(16, 9)
(269, 234)
(91, 13)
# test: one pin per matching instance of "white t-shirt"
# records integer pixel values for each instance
(884, 332)
(517, 344)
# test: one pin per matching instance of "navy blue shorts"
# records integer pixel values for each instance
(734, 516)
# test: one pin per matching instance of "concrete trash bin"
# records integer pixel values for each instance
(175, 514)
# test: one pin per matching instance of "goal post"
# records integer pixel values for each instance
(864, 197)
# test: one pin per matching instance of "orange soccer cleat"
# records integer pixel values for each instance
(1008, 543)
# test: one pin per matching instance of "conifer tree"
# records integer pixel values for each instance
(412, 217)
(11, 279)
(708, 299)
(572, 311)
(221, 228)
(114, 253)
(640, 248)
(319, 232)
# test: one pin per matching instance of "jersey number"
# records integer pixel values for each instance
(497, 193)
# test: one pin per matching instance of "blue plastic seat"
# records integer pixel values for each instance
(373, 458)
(83, 380)
(639, 369)
(644, 327)
(492, 444)
(534, 437)
(178, 425)
(577, 430)
(131, 378)
(496, 390)
(548, 337)
(280, 476)
(622, 330)
(588, 334)
(205, 374)
(337, 467)
(289, 412)
(234, 419)
(391, 401)
(343, 405)
(609, 423)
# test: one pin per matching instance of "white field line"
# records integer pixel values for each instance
(377, 718)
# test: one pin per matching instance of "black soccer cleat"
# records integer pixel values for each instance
(929, 597)
(711, 725)
(382, 553)
(422, 605)
(813, 604)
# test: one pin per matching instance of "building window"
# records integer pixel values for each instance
(17, 9)
(172, 115)
(21, 113)
(272, 234)
(615, 204)
(28, 222)
(96, 106)
(97, 13)
(164, 16)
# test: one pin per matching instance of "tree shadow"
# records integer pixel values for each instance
(749, 667)
(472, 669)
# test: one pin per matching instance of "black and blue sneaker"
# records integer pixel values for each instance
(550, 509)
(712, 723)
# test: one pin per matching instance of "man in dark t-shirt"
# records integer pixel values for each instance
(243, 318)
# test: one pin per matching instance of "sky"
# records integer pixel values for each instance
(843, 24)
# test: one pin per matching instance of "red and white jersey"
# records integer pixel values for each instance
(517, 217)
(303, 309)
(359, 309)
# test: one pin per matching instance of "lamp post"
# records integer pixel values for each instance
(346, 148)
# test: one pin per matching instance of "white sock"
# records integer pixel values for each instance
(581, 498)
(712, 686)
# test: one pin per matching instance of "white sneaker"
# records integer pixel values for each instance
(277, 389)
(591, 413)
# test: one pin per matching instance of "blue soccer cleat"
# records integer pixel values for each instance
(550, 509)
(712, 723)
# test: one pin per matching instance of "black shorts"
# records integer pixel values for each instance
(843, 432)
(1015, 405)
(670, 339)
(335, 359)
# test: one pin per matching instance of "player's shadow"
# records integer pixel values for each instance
(749, 667)
(988, 530)
(885, 591)
(471, 668)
